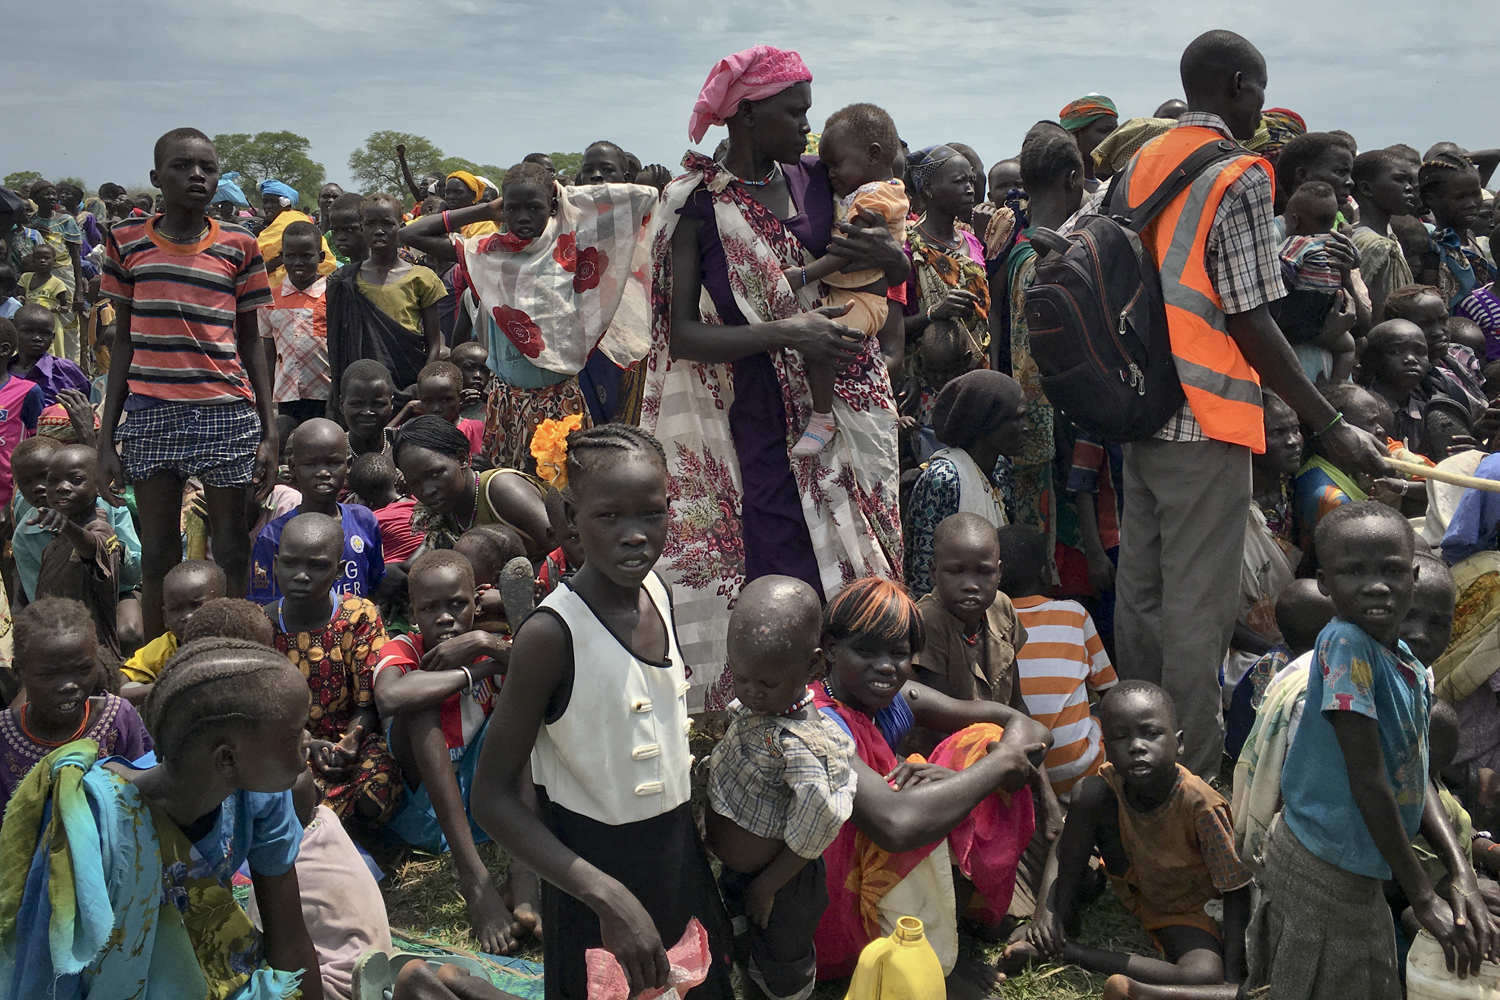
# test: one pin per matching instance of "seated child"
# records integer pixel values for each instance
(57, 664)
(187, 587)
(1322, 486)
(473, 360)
(34, 359)
(365, 404)
(372, 482)
(341, 902)
(1456, 370)
(335, 641)
(20, 405)
(230, 618)
(320, 464)
(1061, 662)
(489, 548)
(45, 289)
(226, 718)
(1168, 847)
(1307, 267)
(972, 631)
(859, 145)
(440, 391)
(295, 327)
(564, 560)
(780, 786)
(436, 688)
(83, 559)
(1355, 785)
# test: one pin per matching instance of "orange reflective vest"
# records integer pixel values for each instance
(1221, 387)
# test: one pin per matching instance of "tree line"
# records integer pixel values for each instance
(284, 156)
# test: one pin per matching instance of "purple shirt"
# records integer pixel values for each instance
(55, 374)
(116, 727)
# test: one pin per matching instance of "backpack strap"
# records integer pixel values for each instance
(1177, 181)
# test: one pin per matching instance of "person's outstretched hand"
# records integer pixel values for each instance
(1354, 450)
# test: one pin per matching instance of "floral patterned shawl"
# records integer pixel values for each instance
(938, 269)
(848, 490)
(582, 284)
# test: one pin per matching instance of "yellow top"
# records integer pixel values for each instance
(146, 664)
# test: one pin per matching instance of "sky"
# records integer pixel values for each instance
(492, 80)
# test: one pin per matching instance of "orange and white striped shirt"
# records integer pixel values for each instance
(1062, 661)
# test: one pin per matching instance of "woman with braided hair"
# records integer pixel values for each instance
(433, 455)
(122, 887)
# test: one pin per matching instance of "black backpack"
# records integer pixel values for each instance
(1096, 318)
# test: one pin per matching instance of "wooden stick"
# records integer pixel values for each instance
(1443, 476)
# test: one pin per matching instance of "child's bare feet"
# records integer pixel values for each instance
(1017, 956)
(493, 925)
(819, 433)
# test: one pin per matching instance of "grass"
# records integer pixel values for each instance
(422, 901)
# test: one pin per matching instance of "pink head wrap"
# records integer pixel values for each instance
(751, 75)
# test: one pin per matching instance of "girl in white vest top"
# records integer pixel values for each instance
(596, 701)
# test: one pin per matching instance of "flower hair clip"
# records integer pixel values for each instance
(549, 446)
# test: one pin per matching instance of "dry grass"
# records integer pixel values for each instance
(422, 899)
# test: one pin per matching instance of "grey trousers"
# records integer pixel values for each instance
(1182, 540)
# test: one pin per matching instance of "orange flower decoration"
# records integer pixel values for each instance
(549, 446)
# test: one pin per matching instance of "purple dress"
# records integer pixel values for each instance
(776, 536)
(116, 727)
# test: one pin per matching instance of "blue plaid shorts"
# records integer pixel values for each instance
(215, 442)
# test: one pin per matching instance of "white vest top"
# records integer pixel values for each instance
(619, 753)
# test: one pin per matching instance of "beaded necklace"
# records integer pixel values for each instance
(87, 711)
(800, 703)
(771, 177)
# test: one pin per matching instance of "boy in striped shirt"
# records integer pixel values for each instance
(1061, 662)
(191, 378)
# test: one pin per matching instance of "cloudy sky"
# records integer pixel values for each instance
(90, 84)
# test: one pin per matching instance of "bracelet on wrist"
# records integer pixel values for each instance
(447, 223)
(1337, 418)
(470, 675)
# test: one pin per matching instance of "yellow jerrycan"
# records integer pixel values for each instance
(900, 967)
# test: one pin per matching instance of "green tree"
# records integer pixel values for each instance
(18, 178)
(75, 181)
(566, 164)
(280, 156)
(375, 167)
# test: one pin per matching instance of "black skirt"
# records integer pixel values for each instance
(663, 863)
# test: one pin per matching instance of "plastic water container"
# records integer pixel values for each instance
(1428, 978)
(901, 967)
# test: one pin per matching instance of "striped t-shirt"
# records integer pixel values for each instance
(1061, 662)
(185, 299)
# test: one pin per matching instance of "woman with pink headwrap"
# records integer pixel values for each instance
(726, 388)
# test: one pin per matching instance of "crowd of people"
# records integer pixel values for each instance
(292, 494)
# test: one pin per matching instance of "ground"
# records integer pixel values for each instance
(421, 896)
(422, 900)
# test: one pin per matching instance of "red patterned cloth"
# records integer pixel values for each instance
(986, 847)
(338, 661)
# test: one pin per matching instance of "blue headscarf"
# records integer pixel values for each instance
(921, 165)
(280, 190)
(229, 190)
